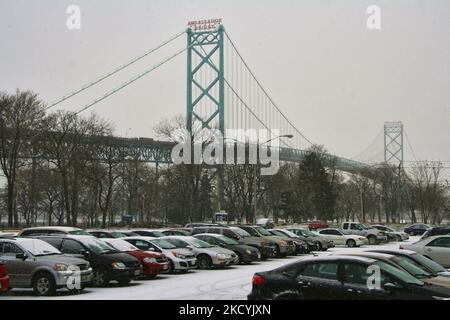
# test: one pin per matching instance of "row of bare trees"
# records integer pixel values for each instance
(52, 175)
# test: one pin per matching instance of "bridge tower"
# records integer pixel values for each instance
(393, 143)
(205, 78)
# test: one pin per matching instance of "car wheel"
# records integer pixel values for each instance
(204, 262)
(372, 240)
(100, 278)
(351, 243)
(44, 284)
(240, 261)
(171, 267)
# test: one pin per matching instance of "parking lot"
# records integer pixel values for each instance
(232, 283)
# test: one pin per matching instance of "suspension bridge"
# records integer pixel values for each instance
(224, 93)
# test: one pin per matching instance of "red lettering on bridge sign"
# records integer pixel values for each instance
(203, 25)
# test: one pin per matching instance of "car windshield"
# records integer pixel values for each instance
(278, 233)
(289, 233)
(241, 232)
(430, 264)
(412, 267)
(121, 245)
(158, 234)
(263, 231)
(308, 233)
(228, 240)
(163, 244)
(200, 243)
(117, 234)
(97, 246)
(400, 274)
(80, 233)
(39, 248)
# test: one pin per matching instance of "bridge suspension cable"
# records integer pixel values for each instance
(242, 79)
(116, 70)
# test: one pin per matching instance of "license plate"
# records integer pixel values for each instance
(137, 272)
(165, 267)
(192, 263)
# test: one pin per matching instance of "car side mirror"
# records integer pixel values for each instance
(85, 253)
(392, 286)
(21, 255)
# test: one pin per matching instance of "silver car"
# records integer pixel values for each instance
(179, 259)
(207, 255)
(33, 263)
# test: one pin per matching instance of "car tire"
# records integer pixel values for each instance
(100, 278)
(351, 243)
(44, 284)
(372, 240)
(150, 276)
(240, 261)
(204, 262)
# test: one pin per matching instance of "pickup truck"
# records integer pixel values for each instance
(373, 235)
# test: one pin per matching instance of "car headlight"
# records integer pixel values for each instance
(118, 265)
(179, 255)
(60, 267)
(149, 260)
(223, 256)
(283, 243)
(361, 238)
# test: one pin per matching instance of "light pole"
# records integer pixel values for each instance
(289, 136)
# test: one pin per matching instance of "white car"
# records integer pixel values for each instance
(339, 238)
(437, 248)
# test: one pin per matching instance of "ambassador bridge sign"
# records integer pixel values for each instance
(204, 25)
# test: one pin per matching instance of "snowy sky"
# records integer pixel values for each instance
(337, 80)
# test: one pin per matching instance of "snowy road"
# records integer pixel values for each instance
(232, 283)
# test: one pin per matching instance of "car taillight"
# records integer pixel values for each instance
(257, 280)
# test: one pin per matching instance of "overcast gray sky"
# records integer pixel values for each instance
(335, 79)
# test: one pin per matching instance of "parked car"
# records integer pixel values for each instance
(207, 255)
(417, 229)
(437, 231)
(312, 245)
(283, 248)
(340, 278)
(425, 262)
(392, 234)
(317, 224)
(339, 238)
(32, 263)
(322, 243)
(108, 264)
(176, 232)
(180, 260)
(407, 265)
(52, 230)
(109, 234)
(155, 233)
(4, 278)
(373, 235)
(265, 223)
(153, 263)
(301, 246)
(246, 254)
(202, 224)
(266, 247)
(437, 248)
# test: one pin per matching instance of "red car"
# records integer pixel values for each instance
(153, 263)
(4, 278)
(316, 224)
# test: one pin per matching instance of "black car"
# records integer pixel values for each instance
(110, 234)
(417, 229)
(436, 231)
(341, 278)
(108, 264)
(246, 254)
(266, 248)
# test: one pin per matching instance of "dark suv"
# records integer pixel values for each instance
(108, 264)
(266, 247)
(437, 231)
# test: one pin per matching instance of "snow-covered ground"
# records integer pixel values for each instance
(230, 283)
